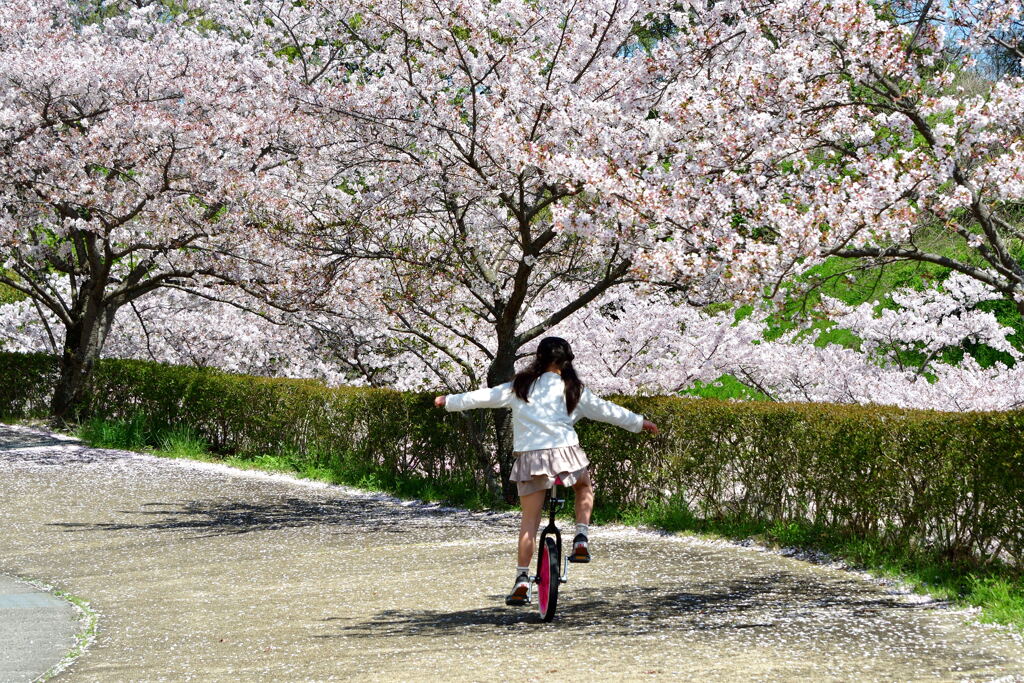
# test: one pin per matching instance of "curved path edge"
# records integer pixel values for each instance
(205, 571)
(43, 629)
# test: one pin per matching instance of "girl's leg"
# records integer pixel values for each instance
(584, 498)
(532, 504)
(584, 506)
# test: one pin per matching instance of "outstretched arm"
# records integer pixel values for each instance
(596, 408)
(488, 397)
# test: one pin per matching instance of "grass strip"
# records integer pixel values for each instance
(87, 618)
(135, 435)
(997, 589)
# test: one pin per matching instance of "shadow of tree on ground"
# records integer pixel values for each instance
(12, 439)
(779, 600)
(345, 515)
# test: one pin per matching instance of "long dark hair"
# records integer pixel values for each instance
(551, 350)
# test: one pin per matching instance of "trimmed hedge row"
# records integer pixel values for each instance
(27, 381)
(376, 430)
(951, 481)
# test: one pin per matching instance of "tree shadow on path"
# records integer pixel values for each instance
(22, 446)
(344, 515)
(769, 601)
(789, 614)
(17, 438)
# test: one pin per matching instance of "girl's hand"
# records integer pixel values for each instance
(440, 401)
(650, 427)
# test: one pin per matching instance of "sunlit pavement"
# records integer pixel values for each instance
(207, 573)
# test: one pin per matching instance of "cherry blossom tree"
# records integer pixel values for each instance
(926, 165)
(127, 146)
(491, 161)
(486, 146)
(920, 323)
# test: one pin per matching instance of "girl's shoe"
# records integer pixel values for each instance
(520, 594)
(580, 551)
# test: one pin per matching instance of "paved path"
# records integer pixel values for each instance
(36, 629)
(204, 573)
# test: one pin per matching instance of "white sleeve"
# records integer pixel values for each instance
(596, 408)
(488, 397)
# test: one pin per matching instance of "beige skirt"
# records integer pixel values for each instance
(536, 470)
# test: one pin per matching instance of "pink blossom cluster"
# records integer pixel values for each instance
(727, 155)
(131, 131)
(411, 194)
(172, 326)
(631, 341)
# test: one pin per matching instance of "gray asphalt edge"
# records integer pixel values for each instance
(88, 619)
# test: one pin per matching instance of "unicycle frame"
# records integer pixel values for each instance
(555, 503)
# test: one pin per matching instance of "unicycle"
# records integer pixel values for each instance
(551, 570)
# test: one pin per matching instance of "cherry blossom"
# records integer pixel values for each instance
(419, 192)
(135, 152)
(628, 342)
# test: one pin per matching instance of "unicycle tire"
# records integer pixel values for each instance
(548, 579)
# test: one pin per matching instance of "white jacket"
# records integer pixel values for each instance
(543, 422)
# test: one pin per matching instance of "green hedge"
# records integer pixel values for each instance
(952, 482)
(376, 429)
(26, 384)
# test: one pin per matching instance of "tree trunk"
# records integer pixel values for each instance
(83, 342)
(476, 428)
(503, 370)
(75, 366)
(503, 432)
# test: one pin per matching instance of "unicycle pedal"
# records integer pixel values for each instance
(580, 554)
(517, 600)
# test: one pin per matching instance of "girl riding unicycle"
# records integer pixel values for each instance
(547, 399)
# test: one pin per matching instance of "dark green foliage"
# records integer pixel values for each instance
(953, 482)
(950, 484)
(9, 295)
(26, 384)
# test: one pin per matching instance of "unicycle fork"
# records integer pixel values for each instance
(552, 571)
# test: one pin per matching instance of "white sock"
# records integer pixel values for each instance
(582, 529)
(522, 570)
